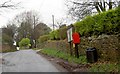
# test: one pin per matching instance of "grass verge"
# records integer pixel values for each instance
(95, 67)
(104, 67)
(65, 56)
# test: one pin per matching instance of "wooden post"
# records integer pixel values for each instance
(76, 51)
(70, 48)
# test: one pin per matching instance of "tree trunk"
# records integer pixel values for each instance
(110, 4)
(104, 6)
(97, 8)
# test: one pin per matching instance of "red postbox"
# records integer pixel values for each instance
(76, 38)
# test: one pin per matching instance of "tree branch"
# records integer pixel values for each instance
(85, 3)
(96, 6)
(101, 6)
(8, 4)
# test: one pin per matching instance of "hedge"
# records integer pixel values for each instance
(54, 35)
(43, 38)
(59, 34)
(103, 23)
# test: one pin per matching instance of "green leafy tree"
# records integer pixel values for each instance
(25, 42)
(40, 30)
(8, 33)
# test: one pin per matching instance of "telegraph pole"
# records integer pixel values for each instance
(34, 33)
(53, 22)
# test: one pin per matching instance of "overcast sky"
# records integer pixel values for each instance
(46, 8)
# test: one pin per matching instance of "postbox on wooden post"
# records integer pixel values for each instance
(76, 41)
(76, 38)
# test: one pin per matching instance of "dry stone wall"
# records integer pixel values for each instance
(106, 45)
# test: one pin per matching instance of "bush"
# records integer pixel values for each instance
(25, 42)
(84, 26)
(106, 22)
(63, 33)
(54, 35)
(43, 38)
(59, 34)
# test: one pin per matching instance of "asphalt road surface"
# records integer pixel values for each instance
(26, 61)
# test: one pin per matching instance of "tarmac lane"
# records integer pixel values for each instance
(26, 61)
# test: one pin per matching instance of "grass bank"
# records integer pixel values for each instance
(105, 67)
(65, 56)
(94, 67)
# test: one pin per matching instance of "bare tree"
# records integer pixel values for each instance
(8, 5)
(31, 17)
(60, 22)
(79, 9)
(26, 22)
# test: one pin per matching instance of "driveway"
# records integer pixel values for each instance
(26, 61)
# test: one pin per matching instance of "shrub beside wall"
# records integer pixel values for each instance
(43, 38)
(63, 33)
(59, 34)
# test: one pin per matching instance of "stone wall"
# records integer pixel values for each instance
(107, 46)
(60, 45)
(6, 48)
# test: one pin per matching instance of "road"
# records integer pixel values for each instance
(27, 61)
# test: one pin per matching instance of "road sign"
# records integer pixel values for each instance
(69, 35)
